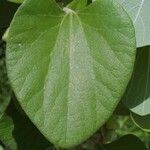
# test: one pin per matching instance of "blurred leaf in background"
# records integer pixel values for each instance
(1, 148)
(16, 1)
(7, 10)
(126, 142)
(126, 126)
(19, 133)
(139, 11)
(142, 122)
(137, 96)
(5, 90)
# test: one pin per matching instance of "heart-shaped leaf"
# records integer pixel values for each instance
(139, 11)
(137, 96)
(69, 69)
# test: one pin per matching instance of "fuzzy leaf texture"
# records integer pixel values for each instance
(69, 69)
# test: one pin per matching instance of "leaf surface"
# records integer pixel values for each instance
(137, 96)
(142, 122)
(5, 90)
(126, 142)
(18, 133)
(77, 4)
(139, 12)
(1, 148)
(16, 1)
(69, 69)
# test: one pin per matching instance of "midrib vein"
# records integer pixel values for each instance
(92, 69)
(69, 74)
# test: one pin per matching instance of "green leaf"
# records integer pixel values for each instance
(78, 4)
(69, 70)
(137, 96)
(6, 129)
(142, 122)
(5, 35)
(5, 90)
(17, 132)
(16, 1)
(139, 12)
(1, 148)
(126, 142)
(128, 127)
(4, 101)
